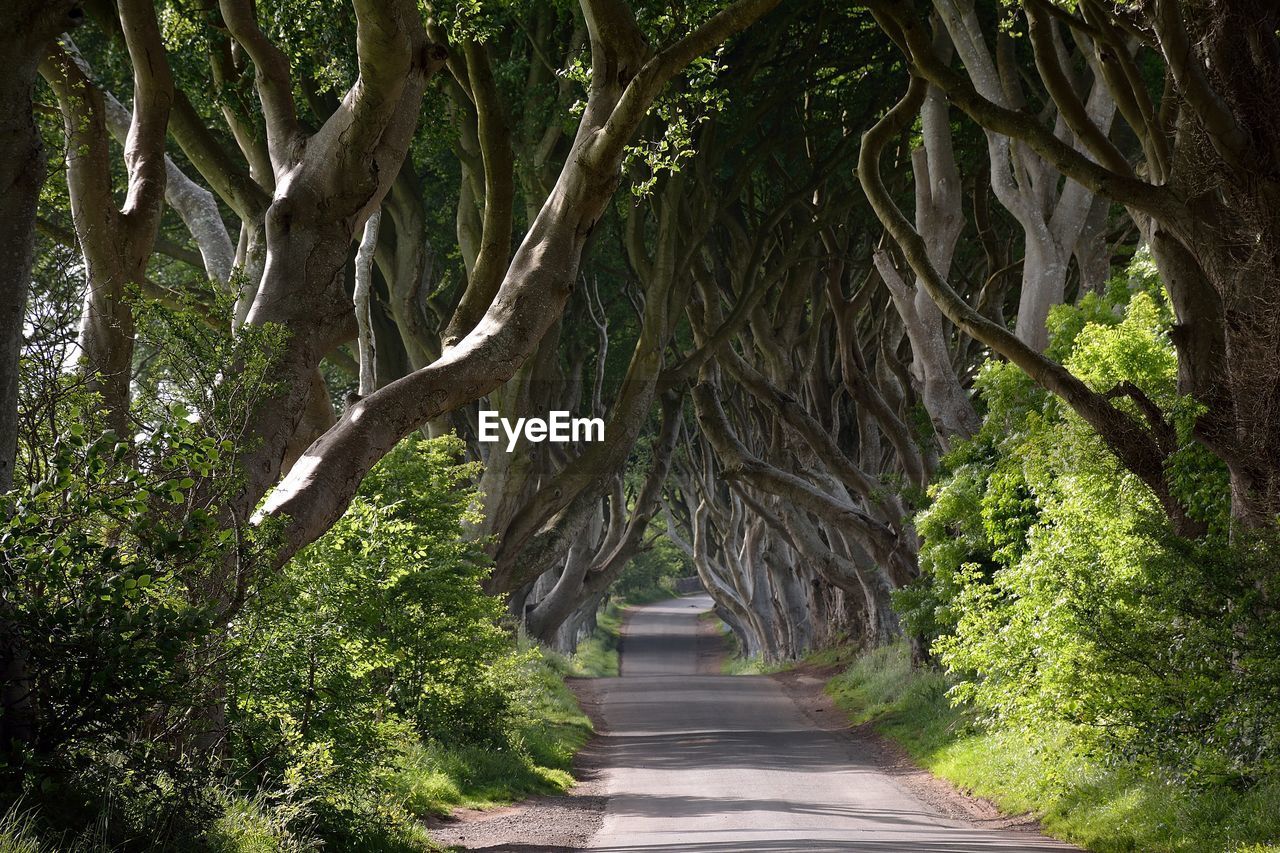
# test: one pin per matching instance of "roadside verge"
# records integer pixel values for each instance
(1041, 775)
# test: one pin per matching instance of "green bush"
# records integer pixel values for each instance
(1088, 798)
(374, 638)
(1055, 590)
(375, 645)
(99, 558)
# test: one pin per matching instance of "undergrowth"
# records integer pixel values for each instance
(432, 778)
(429, 779)
(1105, 808)
(735, 661)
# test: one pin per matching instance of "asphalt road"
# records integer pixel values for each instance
(702, 763)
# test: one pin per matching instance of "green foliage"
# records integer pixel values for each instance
(18, 833)
(678, 114)
(423, 780)
(1055, 591)
(371, 680)
(256, 825)
(376, 636)
(99, 556)
(120, 564)
(1101, 804)
(981, 509)
(433, 777)
(597, 656)
(124, 579)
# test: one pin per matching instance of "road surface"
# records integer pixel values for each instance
(701, 763)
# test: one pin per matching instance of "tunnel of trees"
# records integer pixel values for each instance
(950, 323)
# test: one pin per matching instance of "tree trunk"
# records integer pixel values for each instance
(531, 297)
(22, 172)
(26, 29)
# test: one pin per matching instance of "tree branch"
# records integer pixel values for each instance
(1158, 201)
(1134, 445)
(274, 82)
(152, 101)
(1070, 107)
(494, 251)
(1229, 138)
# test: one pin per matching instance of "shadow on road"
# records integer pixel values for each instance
(812, 845)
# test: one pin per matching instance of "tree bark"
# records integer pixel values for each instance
(532, 294)
(193, 203)
(1211, 151)
(116, 244)
(364, 316)
(1129, 439)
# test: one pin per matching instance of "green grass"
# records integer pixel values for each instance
(736, 663)
(1103, 808)
(255, 825)
(18, 835)
(841, 655)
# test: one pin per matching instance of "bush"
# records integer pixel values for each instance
(164, 692)
(374, 638)
(99, 558)
(1091, 799)
(1055, 589)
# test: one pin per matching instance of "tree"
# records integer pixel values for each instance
(116, 243)
(1204, 193)
(26, 29)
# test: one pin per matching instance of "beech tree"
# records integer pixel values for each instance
(864, 295)
(116, 244)
(1198, 185)
(626, 76)
(26, 30)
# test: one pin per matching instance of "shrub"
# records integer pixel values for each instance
(376, 636)
(1056, 591)
(98, 559)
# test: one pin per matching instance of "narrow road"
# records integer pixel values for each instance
(699, 763)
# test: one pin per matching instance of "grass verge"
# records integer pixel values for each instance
(736, 665)
(597, 656)
(735, 662)
(1077, 798)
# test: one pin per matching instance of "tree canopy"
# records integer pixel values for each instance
(952, 322)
